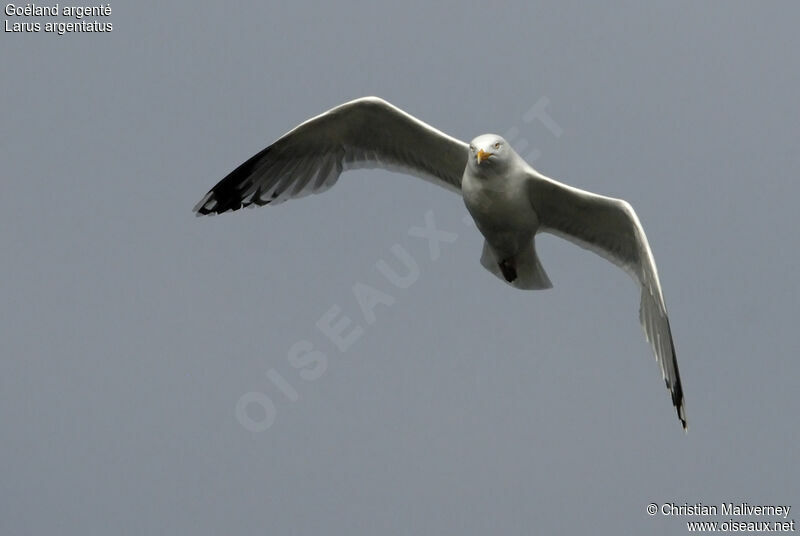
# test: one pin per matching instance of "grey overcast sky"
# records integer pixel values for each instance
(131, 329)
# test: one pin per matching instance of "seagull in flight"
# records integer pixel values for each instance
(509, 201)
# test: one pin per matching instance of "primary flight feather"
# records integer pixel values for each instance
(509, 200)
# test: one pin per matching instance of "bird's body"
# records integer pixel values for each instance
(496, 197)
(509, 201)
(501, 210)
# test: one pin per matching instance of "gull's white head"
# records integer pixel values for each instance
(489, 152)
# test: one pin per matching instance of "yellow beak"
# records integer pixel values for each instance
(481, 156)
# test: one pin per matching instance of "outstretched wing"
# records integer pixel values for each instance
(364, 133)
(610, 228)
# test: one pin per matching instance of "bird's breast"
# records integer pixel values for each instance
(499, 204)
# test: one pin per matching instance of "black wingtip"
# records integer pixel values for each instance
(677, 390)
(677, 400)
(228, 194)
(202, 206)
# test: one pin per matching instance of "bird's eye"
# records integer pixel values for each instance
(472, 148)
(497, 145)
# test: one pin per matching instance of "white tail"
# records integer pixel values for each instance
(522, 271)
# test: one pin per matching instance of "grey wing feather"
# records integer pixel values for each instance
(364, 133)
(610, 228)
